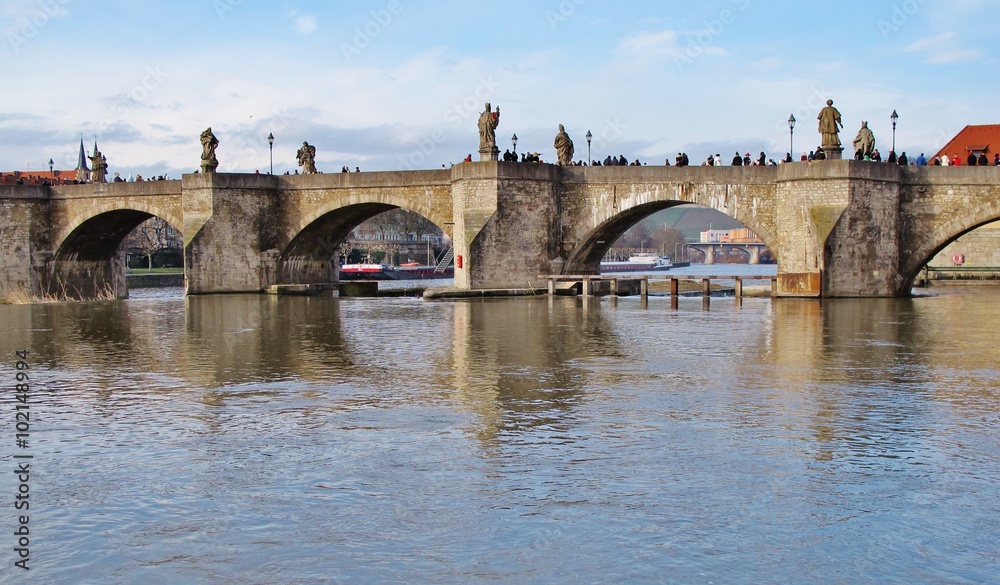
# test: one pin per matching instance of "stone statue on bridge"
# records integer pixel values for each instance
(98, 166)
(564, 147)
(864, 143)
(208, 144)
(307, 158)
(829, 126)
(488, 122)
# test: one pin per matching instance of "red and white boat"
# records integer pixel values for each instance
(367, 271)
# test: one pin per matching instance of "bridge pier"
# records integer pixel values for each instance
(506, 224)
(840, 229)
(24, 246)
(87, 279)
(230, 232)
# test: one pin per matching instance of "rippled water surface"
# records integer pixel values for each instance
(253, 439)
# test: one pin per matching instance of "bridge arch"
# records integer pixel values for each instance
(940, 236)
(88, 262)
(747, 203)
(113, 214)
(308, 248)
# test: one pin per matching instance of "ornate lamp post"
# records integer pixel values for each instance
(270, 146)
(791, 136)
(894, 116)
(589, 138)
(51, 164)
(514, 140)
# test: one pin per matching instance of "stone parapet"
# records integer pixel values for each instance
(837, 227)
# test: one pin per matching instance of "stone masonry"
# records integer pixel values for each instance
(838, 228)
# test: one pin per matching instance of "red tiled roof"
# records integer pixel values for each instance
(38, 177)
(985, 137)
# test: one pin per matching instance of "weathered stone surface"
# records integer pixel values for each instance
(838, 228)
(24, 250)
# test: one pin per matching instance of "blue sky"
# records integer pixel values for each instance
(397, 84)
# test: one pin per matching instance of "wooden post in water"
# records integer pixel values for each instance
(739, 287)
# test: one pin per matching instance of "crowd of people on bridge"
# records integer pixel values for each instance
(972, 160)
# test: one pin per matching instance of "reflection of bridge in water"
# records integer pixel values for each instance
(837, 228)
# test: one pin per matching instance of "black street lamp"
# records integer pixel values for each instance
(791, 136)
(514, 140)
(270, 145)
(589, 138)
(894, 116)
(51, 164)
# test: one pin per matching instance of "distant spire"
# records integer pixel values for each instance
(81, 161)
(82, 171)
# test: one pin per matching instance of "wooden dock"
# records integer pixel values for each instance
(590, 282)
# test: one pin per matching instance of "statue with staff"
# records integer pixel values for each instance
(829, 126)
(864, 143)
(488, 122)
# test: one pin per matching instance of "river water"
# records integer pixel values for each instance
(254, 439)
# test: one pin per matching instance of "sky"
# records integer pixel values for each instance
(399, 84)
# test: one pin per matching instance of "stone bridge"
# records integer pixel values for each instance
(708, 249)
(838, 228)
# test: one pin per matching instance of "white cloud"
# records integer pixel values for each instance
(949, 57)
(646, 43)
(305, 25)
(26, 17)
(930, 43)
(942, 50)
